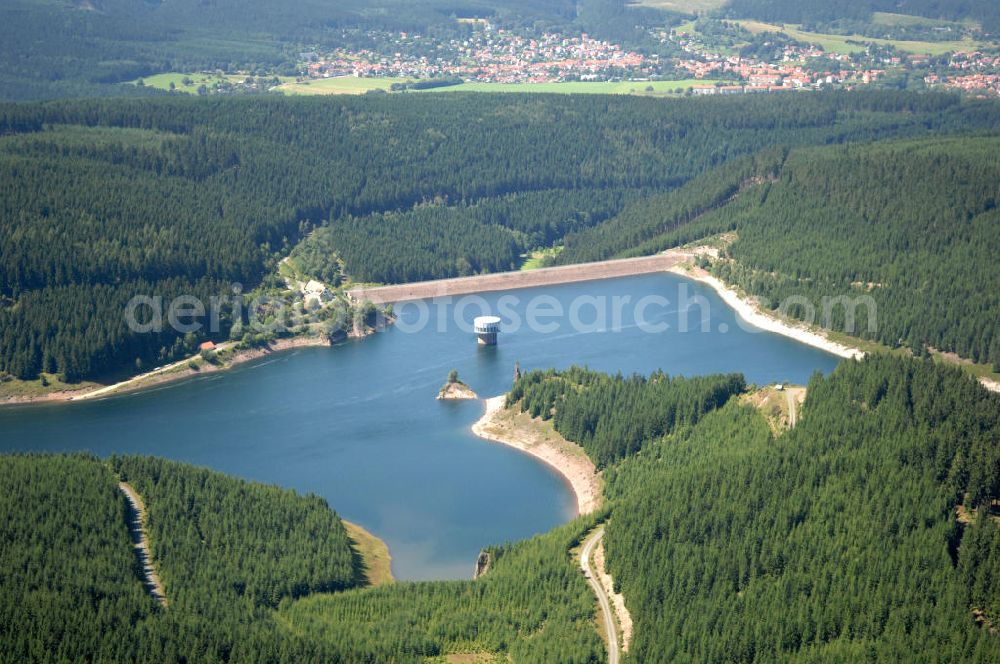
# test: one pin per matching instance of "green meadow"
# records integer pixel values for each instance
(197, 79)
(857, 43)
(338, 85)
(350, 85)
(583, 87)
(683, 6)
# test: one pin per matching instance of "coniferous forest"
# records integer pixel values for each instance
(91, 49)
(227, 552)
(865, 532)
(893, 242)
(106, 200)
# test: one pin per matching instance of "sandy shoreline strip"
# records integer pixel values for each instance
(751, 313)
(537, 438)
(169, 373)
(179, 370)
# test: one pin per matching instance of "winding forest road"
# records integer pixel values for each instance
(586, 555)
(137, 530)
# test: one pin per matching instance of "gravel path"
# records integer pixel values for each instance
(137, 529)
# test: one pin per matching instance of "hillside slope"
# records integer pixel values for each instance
(106, 200)
(908, 230)
(75, 48)
(228, 552)
(839, 539)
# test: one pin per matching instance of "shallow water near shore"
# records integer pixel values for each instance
(359, 424)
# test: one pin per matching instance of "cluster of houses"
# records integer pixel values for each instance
(755, 76)
(972, 72)
(972, 83)
(494, 56)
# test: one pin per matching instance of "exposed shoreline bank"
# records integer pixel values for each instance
(674, 261)
(374, 554)
(537, 438)
(751, 313)
(169, 373)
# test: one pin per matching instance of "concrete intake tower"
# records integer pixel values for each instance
(487, 328)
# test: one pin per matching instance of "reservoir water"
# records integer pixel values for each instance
(359, 425)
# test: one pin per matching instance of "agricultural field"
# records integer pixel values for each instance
(886, 18)
(339, 85)
(856, 43)
(652, 88)
(685, 6)
(195, 80)
(351, 85)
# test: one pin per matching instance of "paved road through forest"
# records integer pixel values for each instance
(586, 564)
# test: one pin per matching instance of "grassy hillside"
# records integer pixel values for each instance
(851, 42)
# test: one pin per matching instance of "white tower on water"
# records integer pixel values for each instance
(487, 328)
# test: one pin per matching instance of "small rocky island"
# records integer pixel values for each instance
(456, 389)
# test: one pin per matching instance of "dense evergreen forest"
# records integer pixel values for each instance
(74, 49)
(227, 551)
(865, 532)
(67, 571)
(105, 200)
(913, 226)
(838, 540)
(612, 416)
(77, 48)
(533, 605)
(910, 227)
(439, 240)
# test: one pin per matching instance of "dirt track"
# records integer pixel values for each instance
(510, 280)
(137, 531)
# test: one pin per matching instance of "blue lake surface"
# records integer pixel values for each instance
(359, 425)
